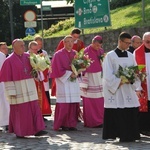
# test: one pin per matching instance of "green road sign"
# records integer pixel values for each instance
(30, 2)
(92, 13)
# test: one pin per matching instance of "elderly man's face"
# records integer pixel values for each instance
(97, 45)
(19, 47)
(146, 41)
(136, 42)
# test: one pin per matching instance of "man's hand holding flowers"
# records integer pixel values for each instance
(131, 74)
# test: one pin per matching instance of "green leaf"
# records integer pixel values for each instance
(140, 67)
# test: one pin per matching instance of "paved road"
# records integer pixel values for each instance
(83, 139)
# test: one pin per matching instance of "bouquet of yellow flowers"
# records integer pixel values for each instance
(80, 62)
(130, 74)
(38, 62)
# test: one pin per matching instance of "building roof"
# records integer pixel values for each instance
(55, 4)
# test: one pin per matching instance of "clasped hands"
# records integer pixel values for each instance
(73, 75)
(139, 93)
(13, 96)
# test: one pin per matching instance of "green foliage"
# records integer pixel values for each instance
(17, 19)
(29, 37)
(119, 3)
(114, 3)
(62, 25)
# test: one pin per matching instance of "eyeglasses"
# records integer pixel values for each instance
(128, 43)
(147, 42)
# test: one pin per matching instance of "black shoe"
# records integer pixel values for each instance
(45, 119)
(72, 129)
(147, 133)
(126, 140)
(40, 133)
(100, 126)
(6, 128)
(65, 128)
(19, 136)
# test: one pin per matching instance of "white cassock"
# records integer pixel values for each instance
(147, 58)
(46, 84)
(67, 91)
(124, 96)
(4, 105)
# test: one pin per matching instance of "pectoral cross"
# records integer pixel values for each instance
(25, 70)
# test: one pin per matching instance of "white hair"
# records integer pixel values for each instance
(146, 34)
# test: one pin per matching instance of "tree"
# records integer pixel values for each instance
(115, 3)
(70, 1)
(18, 20)
(4, 25)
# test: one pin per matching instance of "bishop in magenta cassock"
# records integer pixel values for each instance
(77, 45)
(25, 115)
(67, 92)
(91, 86)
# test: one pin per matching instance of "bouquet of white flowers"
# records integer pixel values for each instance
(39, 62)
(130, 74)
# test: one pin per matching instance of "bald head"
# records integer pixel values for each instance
(136, 41)
(146, 39)
(18, 46)
(146, 35)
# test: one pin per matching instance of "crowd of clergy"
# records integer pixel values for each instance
(121, 109)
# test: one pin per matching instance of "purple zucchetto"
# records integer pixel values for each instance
(97, 38)
(14, 41)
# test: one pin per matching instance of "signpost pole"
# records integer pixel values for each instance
(42, 24)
